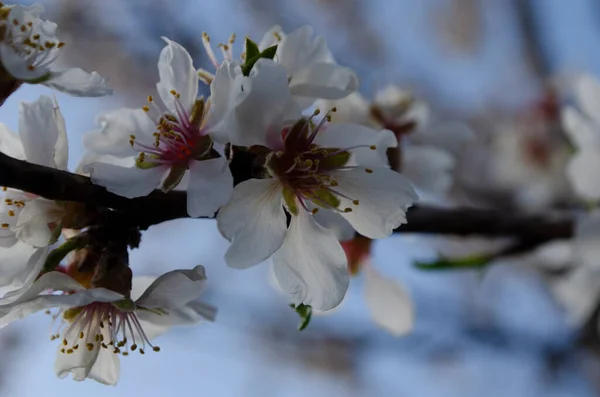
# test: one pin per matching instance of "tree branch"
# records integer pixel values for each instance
(159, 207)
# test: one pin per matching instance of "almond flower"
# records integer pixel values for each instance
(97, 324)
(168, 138)
(29, 47)
(42, 140)
(311, 70)
(312, 167)
(583, 128)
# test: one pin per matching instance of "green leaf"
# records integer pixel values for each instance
(58, 254)
(466, 263)
(268, 53)
(252, 50)
(305, 313)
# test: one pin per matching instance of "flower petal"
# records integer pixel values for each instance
(34, 222)
(389, 303)
(174, 289)
(127, 182)
(311, 264)
(272, 37)
(332, 221)
(581, 172)
(429, 168)
(18, 66)
(38, 131)
(61, 149)
(587, 93)
(21, 264)
(342, 135)
(352, 109)
(585, 248)
(324, 80)
(79, 83)
(262, 108)
(28, 300)
(383, 196)
(10, 143)
(301, 48)
(254, 222)
(224, 91)
(210, 186)
(176, 71)
(116, 128)
(583, 133)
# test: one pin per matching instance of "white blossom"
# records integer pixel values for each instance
(29, 47)
(42, 140)
(170, 137)
(98, 324)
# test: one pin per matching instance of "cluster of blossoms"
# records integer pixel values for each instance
(316, 183)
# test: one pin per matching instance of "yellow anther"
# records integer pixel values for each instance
(173, 92)
(23, 28)
(4, 226)
(145, 109)
(4, 188)
(314, 211)
(15, 22)
(101, 338)
(232, 38)
(333, 183)
(102, 323)
(30, 24)
(104, 346)
(317, 112)
(52, 337)
(150, 99)
(277, 36)
(31, 67)
(69, 351)
(368, 170)
(373, 147)
(81, 335)
(64, 342)
(35, 37)
(328, 118)
(142, 351)
(11, 213)
(334, 109)
(205, 37)
(60, 45)
(347, 209)
(355, 202)
(62, 350)
(97, 338)
(75, 347)
(125, 353)
(117, 350)
(156, 348)
(133, 347)
(90, 346)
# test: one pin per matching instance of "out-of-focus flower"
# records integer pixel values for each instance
(583, 128)
(312, 167)
(311, 70)
(170, 139)
(42, 140)
(98, 324)
(21, 264)
(29, 47)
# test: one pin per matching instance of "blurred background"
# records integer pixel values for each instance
(491, 65)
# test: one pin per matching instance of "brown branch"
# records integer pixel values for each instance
(160, 207)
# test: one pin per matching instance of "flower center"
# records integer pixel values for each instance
(304, 168)
(28, 39)
(113, 326)
(178, 138)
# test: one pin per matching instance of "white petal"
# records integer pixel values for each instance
(10, 143)
(332, 221)
(18, 66)
(21, 264)
(271, 37)
(93, 157)
(174, 289)
(352, 109)
(225, 89)
(254, 222)
(176, 71)
(342, 135)
(61, 150)
(389, 303)
(587, 93)
(578, 293)
(127, 182)
(581, 172)
(555, 255)
(584, 134)
(210, 186)
(34, 222)
(38, 131)
(324, 80)
(384, 196)
(116, 127)
(263, 106)
(429, 168)
(79, 83)
(299, 49)
(27, 301)
(311, 264)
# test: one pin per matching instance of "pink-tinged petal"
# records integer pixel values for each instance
(390, 305)
(116, 128)
(127, 182)
(311, 264)
(77, 82)
(324, 80)
(176, 71)
(174, 289)
(210, 186)
(428, 168)
(342, 135)
(383, 197)
(582, 173)
(254, 222)
(582, 132)
(38, 131)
